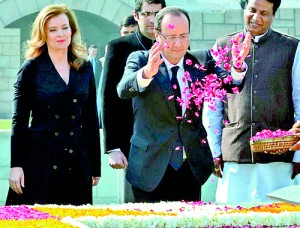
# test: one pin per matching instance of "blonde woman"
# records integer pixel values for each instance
(55, 151)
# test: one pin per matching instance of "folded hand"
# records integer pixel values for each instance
(16, 179)
(218, 166)
(117, 160)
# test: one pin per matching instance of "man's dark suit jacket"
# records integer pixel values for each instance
(156, 131)
(117, 114)
(97, 74)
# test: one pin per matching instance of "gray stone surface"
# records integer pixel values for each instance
(213, 31)
(297, 22)
(196, 26)
(286, 14)
(214, 18)
(24, 8)
(9, 12)
(4, 84)
(284, 23)
(234, 17)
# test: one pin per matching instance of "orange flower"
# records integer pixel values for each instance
(34, 223)
(97, 212)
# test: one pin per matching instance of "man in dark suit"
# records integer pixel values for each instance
(97, 67)
(168, 159)
(116, 113)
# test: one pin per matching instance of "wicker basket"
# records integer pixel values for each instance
(280, 144)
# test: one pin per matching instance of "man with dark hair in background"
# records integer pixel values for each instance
(117, 116)
(128, 25)
(97, 67)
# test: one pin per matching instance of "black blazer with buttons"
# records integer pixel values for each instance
(59, 150)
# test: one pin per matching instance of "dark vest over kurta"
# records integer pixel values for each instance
(265, 101)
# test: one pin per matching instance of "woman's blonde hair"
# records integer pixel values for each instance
(37, 43)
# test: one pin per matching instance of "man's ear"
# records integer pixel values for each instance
(135, 15)
(156, 35)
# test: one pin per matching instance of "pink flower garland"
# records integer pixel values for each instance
(22, 213)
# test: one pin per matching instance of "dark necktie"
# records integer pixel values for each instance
(176, 89)
(177, 155)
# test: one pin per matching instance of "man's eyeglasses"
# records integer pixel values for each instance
(147, 14)
(172, 39)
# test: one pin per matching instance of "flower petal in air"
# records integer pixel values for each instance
(171, 26)
(166, 46)
(235, 90)
(202, 67)
(170, 97)
(188, 62)
(227, 66)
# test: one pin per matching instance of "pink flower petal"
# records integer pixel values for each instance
(235, 90)
(188, 62)
(166, 46)
(170, 97)
(227, 66)
(171, 26)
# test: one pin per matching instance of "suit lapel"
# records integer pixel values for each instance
(166, 87)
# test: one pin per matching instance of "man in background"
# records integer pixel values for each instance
(128, 25)
(117, 116)
(97, 67)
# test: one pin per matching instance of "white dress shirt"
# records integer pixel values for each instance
(143, 83)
